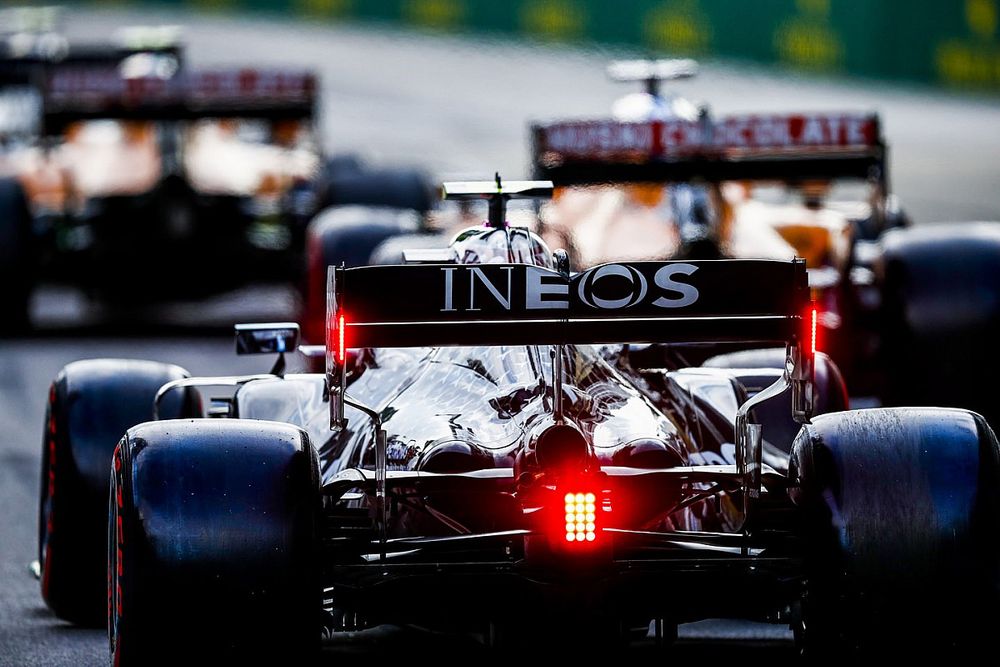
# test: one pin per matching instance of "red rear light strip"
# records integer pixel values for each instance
(812, 346)
(341, 355)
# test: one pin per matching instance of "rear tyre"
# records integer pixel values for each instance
(899, 511)
(345, 182)
(340, 165)
(344, 235)
(91, 403)
(941, 315)
(17, 260)
(227, 572)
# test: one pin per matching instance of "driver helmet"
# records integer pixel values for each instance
(509, 245)
(700, 216)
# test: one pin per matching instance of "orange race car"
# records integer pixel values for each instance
(906, 311)
(138, 179)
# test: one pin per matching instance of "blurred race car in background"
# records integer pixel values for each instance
(470, 461)
(138, 179)
(905, 311)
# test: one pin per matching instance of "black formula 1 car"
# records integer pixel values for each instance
(113, 150)
(482, 454)
(904, 310)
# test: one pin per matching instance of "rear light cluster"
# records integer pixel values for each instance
(581, 517)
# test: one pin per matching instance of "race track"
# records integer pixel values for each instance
(458, 107)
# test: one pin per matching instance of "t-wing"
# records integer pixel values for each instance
(657, 70)
(497, 194)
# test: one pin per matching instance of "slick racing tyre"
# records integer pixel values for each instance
(344, 235)
(940, 319)
(344, 182)
(91, 404)
(17, 261)
(340, 165)
(212, 545)
(899, 515)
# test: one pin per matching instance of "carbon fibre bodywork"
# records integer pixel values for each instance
(458, 421)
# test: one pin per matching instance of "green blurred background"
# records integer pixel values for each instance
(952, 43)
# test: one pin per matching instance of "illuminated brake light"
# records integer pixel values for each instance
(812, 331)
(581, 517)
(340, 340)
(809, 331)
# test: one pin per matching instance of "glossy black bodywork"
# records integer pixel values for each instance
(458, 421)
(461, 551)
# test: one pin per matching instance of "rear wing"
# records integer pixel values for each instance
(513, 304)
(652, 70)
(34, 66)
(785, 147)
(74, 93)
(636, 302)
(761, 301)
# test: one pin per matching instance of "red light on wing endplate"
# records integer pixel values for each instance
(341, 356)
(812, 332)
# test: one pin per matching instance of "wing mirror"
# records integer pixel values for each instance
(268, 338)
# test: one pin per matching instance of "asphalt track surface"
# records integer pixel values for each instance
(460, 108)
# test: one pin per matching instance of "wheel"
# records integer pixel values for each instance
(940, 315)
(344, 235)
(212, 547)
(344, 183)
(899, 510)
(91, 404)
(342, 164)
(17, 258)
